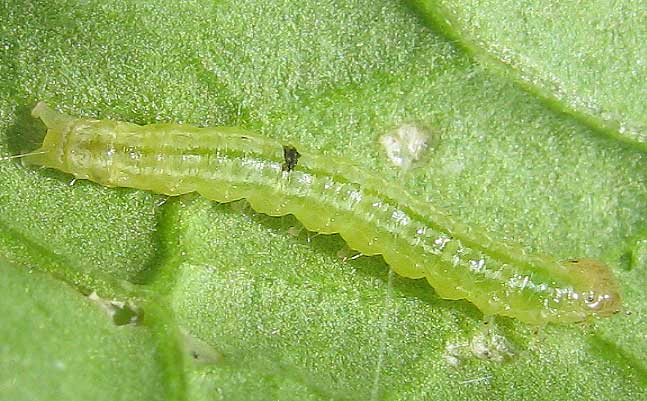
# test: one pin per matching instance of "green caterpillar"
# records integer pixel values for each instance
(330, 196)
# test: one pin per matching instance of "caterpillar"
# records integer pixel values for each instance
(330, 195)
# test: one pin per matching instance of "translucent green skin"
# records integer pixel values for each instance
(331, 196)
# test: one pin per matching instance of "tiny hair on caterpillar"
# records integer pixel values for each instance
(331, 195)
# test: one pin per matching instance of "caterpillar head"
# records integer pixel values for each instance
(597, 290)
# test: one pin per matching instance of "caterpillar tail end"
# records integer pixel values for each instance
(58, 124)
(53, 119)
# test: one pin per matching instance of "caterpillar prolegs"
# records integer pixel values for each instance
(328, 195)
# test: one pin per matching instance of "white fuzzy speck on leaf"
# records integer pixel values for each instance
(407, 144)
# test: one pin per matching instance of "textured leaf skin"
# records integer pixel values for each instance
(583, 61)
(330, 196)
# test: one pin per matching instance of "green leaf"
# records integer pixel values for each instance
(57, 344)
(587, 59)
(143, 297)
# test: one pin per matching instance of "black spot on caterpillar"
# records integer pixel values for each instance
(291, 157)
(417, 239)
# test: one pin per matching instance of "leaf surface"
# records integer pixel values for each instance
(238, 305)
